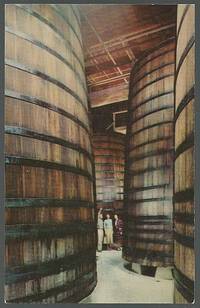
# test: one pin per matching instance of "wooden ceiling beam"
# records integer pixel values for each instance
(106, 50)
(122, 62)
(146, 32)
(112, 85)
(101, 41)
(116, 41)
(101, 54)
(112, 79)
(95, 63)
(100, 77)
(99, 69)
(129, 51)
(109, 58)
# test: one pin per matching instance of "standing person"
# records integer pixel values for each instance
(118, 230)
(108, 228)
(100, 230)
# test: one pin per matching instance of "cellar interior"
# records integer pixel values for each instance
(99, 138)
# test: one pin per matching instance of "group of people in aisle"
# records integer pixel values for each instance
(107, 230)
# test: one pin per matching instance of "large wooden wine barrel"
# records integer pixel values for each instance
(184, 259)
(149, 159)
(50, 227)
(109, 171)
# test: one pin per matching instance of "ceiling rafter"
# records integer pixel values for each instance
(132, 38)
(112, 79)
(106, 66)
(95, 62)
(110, 55)
(112, 73)
(102, 42)
(98, 36)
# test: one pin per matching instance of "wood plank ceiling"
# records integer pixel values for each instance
(114, 37)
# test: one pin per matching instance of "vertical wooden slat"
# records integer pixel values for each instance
(149, 159)
(50, 223)
(109, 171)
(184, 259)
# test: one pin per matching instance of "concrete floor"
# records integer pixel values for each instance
(118, 285)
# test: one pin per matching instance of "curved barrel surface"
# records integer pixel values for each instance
(149, 159)
(184, 259)
(50, 225)
(109, 171)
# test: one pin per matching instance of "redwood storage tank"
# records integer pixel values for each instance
(149, 160)
(184, 260)
(109, 171)
(50, 227)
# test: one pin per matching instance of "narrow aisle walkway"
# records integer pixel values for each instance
(118, 285)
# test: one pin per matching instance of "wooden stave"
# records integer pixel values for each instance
(109, 153)
(132, 150)
(27, 65)
(184, 258)
(27, 95)
(51, 10)
(43, 14)
(150, 54)
(33, 298)
(88, 199)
